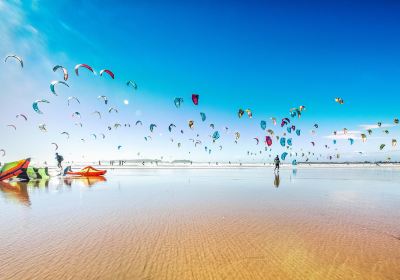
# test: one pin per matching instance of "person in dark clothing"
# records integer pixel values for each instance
(277, 162)
(59, 159)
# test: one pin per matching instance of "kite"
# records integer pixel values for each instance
(240, 113)
(215, 136)
(65, 133)
(249, 113)
(203, 116)
(104, 98)
(76, 114)
(152, 126)
(382, 146)
(351, 141)
(112, 109)
(79, 124)
(94, 136)
(53, 83)
(195, 99)
(289, 141)
(268, 141)
(21, 62)
(13, 126)
(294, 162)
(23, 116)
(119, 147)
(339, 100)
(282, 141)
(284, 122)
(257, 140)
(212, 126)
(132, 84)
(263, 125)
(43, 127)
(55, 145)
(394, 142)
(191, 124)
(73, 98)
(283, 155)
(171, 126)
(298, 131)
(363, 137)
(111, 74)
(84, 66)
(138, 122)
(55, 68)
(35, 105)
(178, 101)
(98, 113)
(273, 119)
(396, 121)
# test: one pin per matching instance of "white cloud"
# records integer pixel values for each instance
(375, 126)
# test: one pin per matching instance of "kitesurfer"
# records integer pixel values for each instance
(277, 162)
(59, 159)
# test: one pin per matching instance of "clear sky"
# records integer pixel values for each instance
(268, 56)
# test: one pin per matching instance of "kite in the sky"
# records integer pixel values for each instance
(195, 99)
(111, 74)
(55, 68)
(84, 66)
(35, 105)
(53, 83)
(21, 62)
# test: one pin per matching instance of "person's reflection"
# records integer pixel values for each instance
(277, 180)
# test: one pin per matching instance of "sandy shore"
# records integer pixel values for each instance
(205, 224)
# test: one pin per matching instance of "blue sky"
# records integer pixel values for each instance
(268, 56)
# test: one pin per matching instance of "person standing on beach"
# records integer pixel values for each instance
(277, 162)
(59, 159)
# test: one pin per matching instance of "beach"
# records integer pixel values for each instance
(242, 223)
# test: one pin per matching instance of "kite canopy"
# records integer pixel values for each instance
(283, 155)
(55, 68)
(268, 141)
(84, 66)
(13, 169)
(35, 105)
(111, 74)
(215, 136)
(195, 99)
(263, 125)
(178, 101)
(53, 83)
(132, 84)
(21, 62)
(203, 116)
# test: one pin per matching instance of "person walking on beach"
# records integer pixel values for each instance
(277, 162)
(59, 159)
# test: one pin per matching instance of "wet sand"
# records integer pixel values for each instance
(205, 224)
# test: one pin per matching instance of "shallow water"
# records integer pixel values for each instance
(204, 224)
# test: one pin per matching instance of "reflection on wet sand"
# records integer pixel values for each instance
(277, 180)
(16, 192)
(86, 181)
(207, 225)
